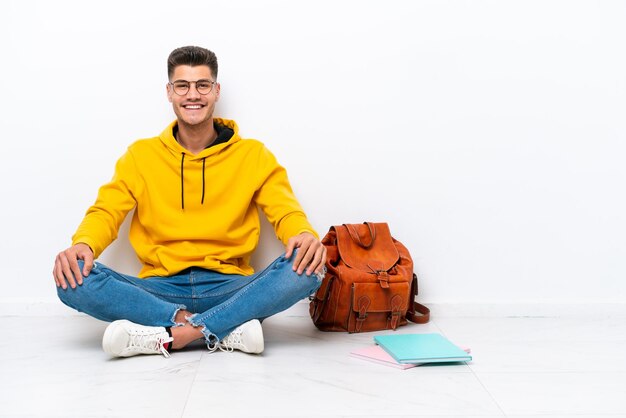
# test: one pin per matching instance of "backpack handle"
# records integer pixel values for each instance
(418, 313)
(357, 239)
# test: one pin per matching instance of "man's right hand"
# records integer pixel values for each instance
(66, 269)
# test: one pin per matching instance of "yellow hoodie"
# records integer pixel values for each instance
(194, 210)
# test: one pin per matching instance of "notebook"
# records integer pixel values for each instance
(378, 355)
(421, 348)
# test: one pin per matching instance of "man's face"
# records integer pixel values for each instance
(193, 108)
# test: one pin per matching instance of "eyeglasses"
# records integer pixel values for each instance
(181, 87)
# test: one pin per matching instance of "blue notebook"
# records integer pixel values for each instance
(421, 348)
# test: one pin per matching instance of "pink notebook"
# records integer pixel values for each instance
(378, 355)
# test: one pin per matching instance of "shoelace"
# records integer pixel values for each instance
(150, 342)
(228, 343)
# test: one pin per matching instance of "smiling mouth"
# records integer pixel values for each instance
(193, 106)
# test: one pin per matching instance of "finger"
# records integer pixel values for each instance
(88, 259)
(78, 275)
(306, 259)
(324, 259)
(316, 264)
(67, 272)
(54, 275)
(302, 249)
(59, 273)
(318, 261)
(291, 244)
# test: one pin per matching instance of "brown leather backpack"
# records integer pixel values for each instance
(370, 284)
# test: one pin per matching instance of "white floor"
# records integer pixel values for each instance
(523, 367)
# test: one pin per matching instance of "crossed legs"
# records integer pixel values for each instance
(193, 304)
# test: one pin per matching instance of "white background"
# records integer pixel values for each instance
(490, 135)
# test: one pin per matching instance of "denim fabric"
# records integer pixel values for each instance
(219, 302)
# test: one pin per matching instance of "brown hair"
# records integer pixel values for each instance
(193, 56)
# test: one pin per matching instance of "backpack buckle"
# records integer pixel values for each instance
(363, 304)
(383, 278)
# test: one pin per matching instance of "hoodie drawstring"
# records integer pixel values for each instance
(202, 201)
(182, 181)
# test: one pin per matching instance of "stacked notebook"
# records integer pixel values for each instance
(404, 351)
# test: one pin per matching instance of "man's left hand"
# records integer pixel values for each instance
(311, 253)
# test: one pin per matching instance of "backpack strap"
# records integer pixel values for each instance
(354, 234)
(424, 312)
(320, 298)
(418, 313)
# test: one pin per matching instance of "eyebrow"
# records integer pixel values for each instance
(194, 81)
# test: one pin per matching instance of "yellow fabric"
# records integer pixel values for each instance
(221, 234)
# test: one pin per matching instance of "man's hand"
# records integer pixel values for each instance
(311, 253)
(66, 269)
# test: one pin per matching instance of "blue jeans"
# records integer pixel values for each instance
(219, 302)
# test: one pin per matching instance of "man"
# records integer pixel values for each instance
(195, 189)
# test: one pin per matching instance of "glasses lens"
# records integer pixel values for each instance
(181, 87)
(204, 86)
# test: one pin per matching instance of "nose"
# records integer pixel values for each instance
(192, 93)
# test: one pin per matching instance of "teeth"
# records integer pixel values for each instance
(193, 107)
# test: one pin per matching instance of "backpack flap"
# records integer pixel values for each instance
(368, 247)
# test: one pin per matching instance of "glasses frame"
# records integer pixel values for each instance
(195, 83)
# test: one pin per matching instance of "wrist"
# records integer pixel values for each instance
(86, 245)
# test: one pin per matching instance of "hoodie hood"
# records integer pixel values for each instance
(168, 139)
(227, 134)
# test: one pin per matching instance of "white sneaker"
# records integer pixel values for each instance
(124, 339)
(247, 337)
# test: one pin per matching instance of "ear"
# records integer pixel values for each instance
(217, 91)
(168, 90)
